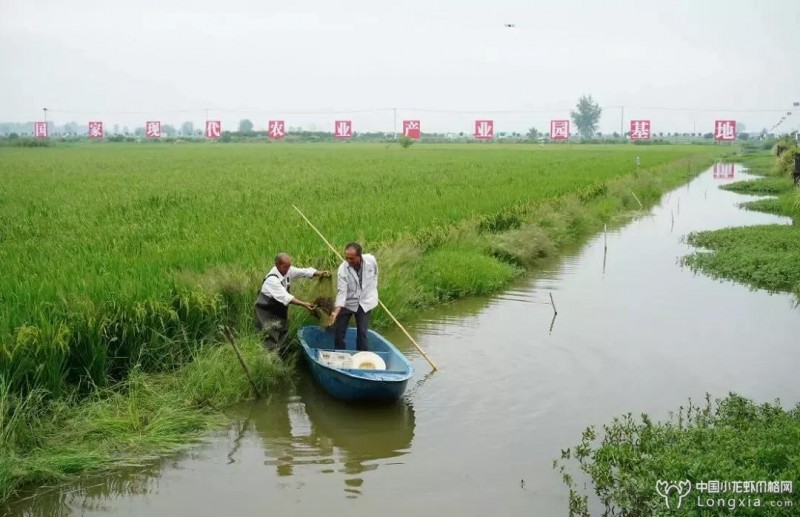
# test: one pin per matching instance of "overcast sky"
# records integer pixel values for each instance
(127, 62)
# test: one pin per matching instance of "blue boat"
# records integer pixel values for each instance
(356, 384)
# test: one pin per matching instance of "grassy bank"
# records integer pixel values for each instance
(124, 262)
(731, 439)
(765, 256)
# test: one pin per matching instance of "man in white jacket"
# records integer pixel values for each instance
(357, 294)
(272, 304)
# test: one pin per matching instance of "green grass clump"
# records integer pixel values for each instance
(766, 186)
(450, 274)
(766, 256)
(733, 439)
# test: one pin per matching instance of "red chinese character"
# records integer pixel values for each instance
(559, 129)
(152, 129)
(411, 128)
(95, 130)
(343, 129)
(213, 128)
(640, 130)
(725, 130)
(484, 129)
(276, 129)
(40, 129)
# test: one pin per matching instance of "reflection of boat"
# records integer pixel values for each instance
(309, 429)
(352, 384)
(361, 432)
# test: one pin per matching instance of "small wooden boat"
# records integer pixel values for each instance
(354, 384)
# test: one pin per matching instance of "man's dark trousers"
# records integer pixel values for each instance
(362, 324)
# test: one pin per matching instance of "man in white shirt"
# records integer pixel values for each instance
(357, 294)
(272, 304)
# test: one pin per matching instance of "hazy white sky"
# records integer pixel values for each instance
(127, 62)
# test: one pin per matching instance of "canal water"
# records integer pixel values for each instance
(635, 331)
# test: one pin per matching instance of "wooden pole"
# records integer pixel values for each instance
(226, 332)
(637, 200)
(380, 302)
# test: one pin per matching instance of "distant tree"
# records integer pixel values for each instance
(187, 128)
(743, 136)
(586, 116)
(615, 134)
(169, 130)
(116, 129)
(245, 126)
(71, 128)
(533, 134)
(708, 136)
(139, 131)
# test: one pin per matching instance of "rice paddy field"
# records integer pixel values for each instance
(107, 250)
(125, 260)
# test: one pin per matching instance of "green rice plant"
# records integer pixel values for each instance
(450, 274)
(98, 241)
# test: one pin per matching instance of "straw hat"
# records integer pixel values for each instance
(368, 361)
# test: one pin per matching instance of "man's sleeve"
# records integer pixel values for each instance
(274, 288)
(297, 272)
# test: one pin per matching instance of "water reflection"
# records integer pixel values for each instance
(95, 494)
(307, 429)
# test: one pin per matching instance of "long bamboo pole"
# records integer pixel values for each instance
(380, 302)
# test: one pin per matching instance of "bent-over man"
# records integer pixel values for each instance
(272, 304)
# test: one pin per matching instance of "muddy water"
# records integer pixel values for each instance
(635, 332)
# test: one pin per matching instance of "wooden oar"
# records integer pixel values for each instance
(421, 351)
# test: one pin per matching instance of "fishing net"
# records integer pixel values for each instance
(323, 296)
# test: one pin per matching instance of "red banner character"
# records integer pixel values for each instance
(152, 129)
(411, 129)
(40, 129)
(484, 129)
(95, 130)
(725, 130)
(640, 130)
(343, 129)
(559, 129)
(276, 129)
(213, 128)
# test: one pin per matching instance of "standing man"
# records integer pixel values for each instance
(272, 304)
(357, 293)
